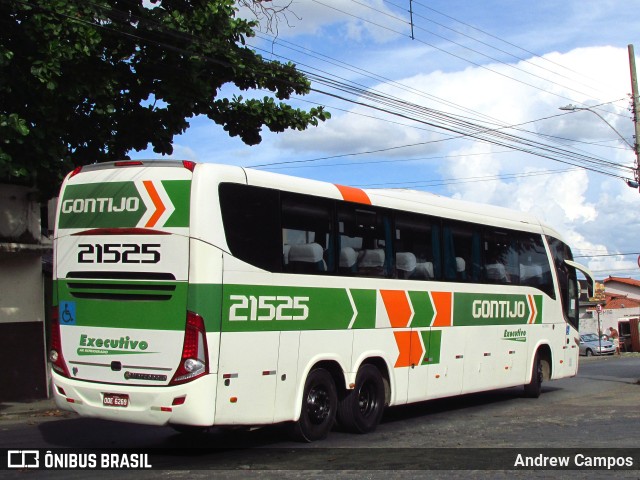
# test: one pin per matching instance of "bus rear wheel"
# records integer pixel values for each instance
(534, 388)
(319, 406)
(360, 410)
(191, 430)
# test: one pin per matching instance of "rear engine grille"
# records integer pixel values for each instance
(121, 286)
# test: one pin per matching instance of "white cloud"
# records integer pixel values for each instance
(592, 211)
(583, 206)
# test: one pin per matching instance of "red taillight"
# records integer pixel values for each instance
(194, 361)
(189, 165)
(55, 353)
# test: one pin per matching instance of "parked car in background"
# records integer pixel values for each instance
(591, 345)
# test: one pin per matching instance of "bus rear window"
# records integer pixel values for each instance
(251, 219)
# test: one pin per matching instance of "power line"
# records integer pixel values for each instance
(454, 181)
(458, 125)
(352, 68)
(458, 32)
(629, 270)
(607, 255)
(484, 67)
(415, 2)
(477, 52)
(572, 141)
(372, 75)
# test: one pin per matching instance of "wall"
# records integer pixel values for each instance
(617, 288)
(21, 287)
(608, 318)
(19, 215)
(23, 375)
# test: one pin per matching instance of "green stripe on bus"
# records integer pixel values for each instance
(179, 191)
(538, 302)
(365, 302)
(117, 304)
(495, 309)
(246, 308)
(422, 308)
(206, 301)
(101, 205)
(121, 205)
(432, 340)
(273, 308)
(249, 308)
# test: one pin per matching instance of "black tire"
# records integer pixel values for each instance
(534, 388)
(589, 352)
(361, 409)
(319, 407)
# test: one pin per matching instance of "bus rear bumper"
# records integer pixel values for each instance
(192, 403)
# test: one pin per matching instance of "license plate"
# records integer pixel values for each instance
(115, 400)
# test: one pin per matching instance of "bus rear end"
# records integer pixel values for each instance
(125, 344)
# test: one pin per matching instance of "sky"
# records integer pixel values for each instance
(486, 65)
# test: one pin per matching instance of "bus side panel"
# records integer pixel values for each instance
(446, 369)
(512, 359)
(258, 377)
(248, 376)
(479, 361)
(205, 293)
(288, 376)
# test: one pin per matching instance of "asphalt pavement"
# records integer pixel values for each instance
(17, 411)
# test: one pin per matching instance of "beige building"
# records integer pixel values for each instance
(23, 374)
(620, 308)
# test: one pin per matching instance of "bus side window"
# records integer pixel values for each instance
(501, 257)
(462, 256)
(307, 236)
(535, 270)
(364, 242)
(567, 280)
(417, 254)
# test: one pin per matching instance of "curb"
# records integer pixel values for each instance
(35, 408)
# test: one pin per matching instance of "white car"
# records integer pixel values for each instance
(591, 345)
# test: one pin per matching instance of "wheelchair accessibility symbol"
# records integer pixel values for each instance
(67, 313)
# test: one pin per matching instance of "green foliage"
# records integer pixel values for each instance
(84, 82)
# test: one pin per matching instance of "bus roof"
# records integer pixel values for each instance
(400, 199)
(408, 200)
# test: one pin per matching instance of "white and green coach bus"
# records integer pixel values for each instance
(196, 295)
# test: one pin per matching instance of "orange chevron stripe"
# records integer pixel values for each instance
(397, 306)
(411, 351)
(352, 194)
(157, 202)
(532, 308)
(442, 304)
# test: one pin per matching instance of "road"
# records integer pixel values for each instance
(596, 409)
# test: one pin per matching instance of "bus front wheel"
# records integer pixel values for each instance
(534, 388)
(361, 409)
(319, 406)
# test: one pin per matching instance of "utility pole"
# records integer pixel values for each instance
(411, 16)
(636, 110)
